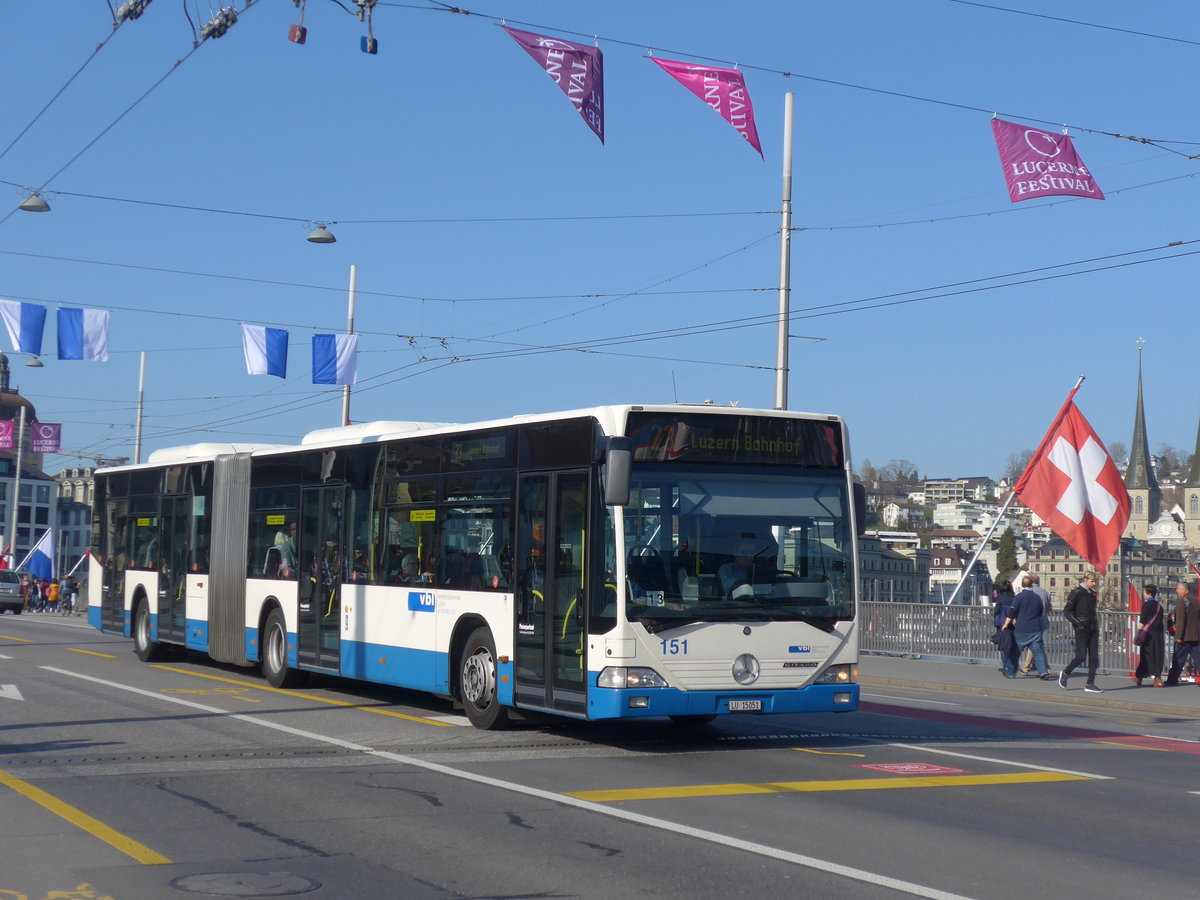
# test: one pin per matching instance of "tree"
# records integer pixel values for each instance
(1016, 465)
(1170, 460)
(868, 474)
(1120, 454)
(1006, 556)
(899, 471)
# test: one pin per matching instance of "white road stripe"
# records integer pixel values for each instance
(722, 840)
(999, 762)
(911, 699)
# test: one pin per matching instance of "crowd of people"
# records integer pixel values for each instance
(51, 595)
(1021, 620)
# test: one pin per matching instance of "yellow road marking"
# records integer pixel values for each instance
(92, 653)
(827, 752)
(79, 819)
(794, 787)
(1135, 746)
(9, 637)
(315, 699)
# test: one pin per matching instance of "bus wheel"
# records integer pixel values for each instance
(146, 649)
(275, 653)
(692, 721)
(477, 682)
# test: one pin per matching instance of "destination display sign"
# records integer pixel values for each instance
(753, 440)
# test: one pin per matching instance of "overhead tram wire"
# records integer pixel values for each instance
(61, 90)
(174, 68)
(1034, 15)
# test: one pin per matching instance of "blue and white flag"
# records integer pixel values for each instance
(266, 350)
(25, 323)
(335, 358)
(40, 561)
(83, 334)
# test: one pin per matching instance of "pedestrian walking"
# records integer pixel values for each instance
(1186, 619)
(1080, 611)
(1003, 638)
(1025, 619)
(1153, 646)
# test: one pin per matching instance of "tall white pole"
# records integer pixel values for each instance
(15, 499)
(349, 330)
(785, 262)
(137, 429)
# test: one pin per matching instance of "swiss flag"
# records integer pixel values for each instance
(1135, 602)
(1073, 483)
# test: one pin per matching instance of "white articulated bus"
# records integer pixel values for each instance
(615, 562)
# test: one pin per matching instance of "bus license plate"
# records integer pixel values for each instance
(745, 706)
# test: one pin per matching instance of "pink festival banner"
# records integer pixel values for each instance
(45, 438)
(1041, 164)
(722, 89)
(576, 68)
(6, 435)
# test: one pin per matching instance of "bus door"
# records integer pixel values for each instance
(320, 577)
(551, 592)
(173, 539)
(115, 560)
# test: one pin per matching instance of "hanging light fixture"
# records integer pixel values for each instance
(35, 363)
(322, 236)
(35, 203)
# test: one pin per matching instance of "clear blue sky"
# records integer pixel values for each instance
(415, 153)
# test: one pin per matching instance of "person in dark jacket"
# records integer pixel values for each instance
(1004, 638)
(1150, 659)
(1187, 633)
(1081, 613)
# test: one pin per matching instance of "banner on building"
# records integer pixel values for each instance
(45, 437)
(8, 435)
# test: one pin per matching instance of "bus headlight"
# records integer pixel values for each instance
(631, 677)
(846, 674)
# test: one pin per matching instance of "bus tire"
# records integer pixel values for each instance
(147, 650)
(477, 682)
(275, 653)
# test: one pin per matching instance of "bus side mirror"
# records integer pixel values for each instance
(618, 471)
(860, 507)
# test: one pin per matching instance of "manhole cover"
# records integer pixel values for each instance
(246, 884)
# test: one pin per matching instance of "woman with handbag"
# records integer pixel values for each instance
(1151, 639)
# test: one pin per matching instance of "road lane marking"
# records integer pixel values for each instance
(312, 697)
(810, 787)
(910, 699)
(827, 752)
(989, 759)
(92, 653)
(10, 692)
(614, 812)
(80, 819)
(9, 637)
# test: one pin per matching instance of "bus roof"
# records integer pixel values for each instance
(611, 419)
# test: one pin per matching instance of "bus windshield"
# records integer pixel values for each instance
(718, 544)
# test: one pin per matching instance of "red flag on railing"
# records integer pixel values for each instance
(1135, 600)
(1074, 485)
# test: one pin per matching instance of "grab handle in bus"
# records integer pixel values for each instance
(618, 471)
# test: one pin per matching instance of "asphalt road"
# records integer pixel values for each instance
(125, 780)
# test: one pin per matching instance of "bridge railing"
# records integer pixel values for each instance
(934, 631)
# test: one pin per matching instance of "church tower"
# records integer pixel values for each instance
(1191, 499)
(1140, 480)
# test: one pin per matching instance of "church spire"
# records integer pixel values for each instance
(1139, 474)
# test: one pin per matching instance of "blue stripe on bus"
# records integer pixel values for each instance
(196, 635)
(610, 703)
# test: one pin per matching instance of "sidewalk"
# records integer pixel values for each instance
(985, 678)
